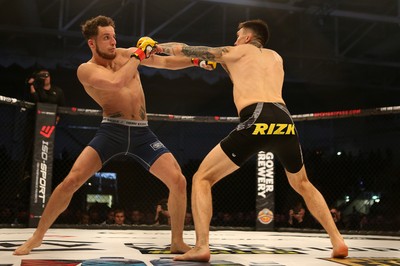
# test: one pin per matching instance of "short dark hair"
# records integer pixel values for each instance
(259, 28)
(90, 26)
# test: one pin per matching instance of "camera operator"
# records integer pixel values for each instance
(38, 89)
(41, 89)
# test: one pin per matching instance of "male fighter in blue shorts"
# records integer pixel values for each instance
(111, 78)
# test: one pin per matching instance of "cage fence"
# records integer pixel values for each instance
(351, 157)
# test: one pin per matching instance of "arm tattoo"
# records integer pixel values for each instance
(204, 52)
(168, 48)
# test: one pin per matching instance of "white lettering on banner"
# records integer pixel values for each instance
(43, 171)
(265, 173)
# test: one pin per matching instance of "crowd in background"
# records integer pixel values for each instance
(296, 218)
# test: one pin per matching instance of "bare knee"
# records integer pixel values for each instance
(299, 181)
(69, 185)
(177, 182)
(72, 182)
(201, 179)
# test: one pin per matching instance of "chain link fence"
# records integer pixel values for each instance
(353, 161)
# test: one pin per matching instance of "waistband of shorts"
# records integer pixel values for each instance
(125, 122)
(249, 110)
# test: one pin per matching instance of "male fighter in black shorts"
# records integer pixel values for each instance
(257, 75)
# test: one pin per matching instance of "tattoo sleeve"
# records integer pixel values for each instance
(168, 48)
(203, 52)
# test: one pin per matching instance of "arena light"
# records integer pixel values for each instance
(376, 198)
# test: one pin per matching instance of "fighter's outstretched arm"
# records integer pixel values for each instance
(169, 62)
(217, 54)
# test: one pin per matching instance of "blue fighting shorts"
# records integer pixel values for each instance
(127, 137)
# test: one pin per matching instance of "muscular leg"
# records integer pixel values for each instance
(214, 167)
(84, 167)
(316, 204)
(168, 171)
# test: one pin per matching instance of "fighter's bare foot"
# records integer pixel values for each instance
(341, 251)
(30, 244)
(195, 254)
(179, 248)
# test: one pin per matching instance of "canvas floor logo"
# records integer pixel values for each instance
(51, 245)
(152, 248)
(114, 261)
(367, 261)
(147, 248)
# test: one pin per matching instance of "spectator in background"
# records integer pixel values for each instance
(297, 216)
(95, 216)
(84, 218)
(41, 89)
(148, 217)
(119, 216)
(162, 214)
(109, 217)
(137, 217)
(337, 218)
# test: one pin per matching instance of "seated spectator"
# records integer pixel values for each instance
(136, 217)
(84, 218)
(110, 217)
(119, 217)
(162, 215)
(94, 215)
(337, 218)
(297, 216)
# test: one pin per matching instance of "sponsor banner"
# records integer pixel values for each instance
(265, 199)
(42, 161)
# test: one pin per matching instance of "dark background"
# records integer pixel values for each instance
(337, 54)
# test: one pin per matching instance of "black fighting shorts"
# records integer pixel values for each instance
(265, 127)
(127, 137)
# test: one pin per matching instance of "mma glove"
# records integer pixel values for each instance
(203, 63)
(145, 46)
